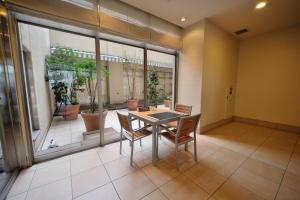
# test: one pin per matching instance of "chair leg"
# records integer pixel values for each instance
(121, 140)
(177, 157)
(141, 142)
(195, 151)
(131, 156)
(139, 123)
(186, 146)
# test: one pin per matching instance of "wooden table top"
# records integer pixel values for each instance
(145, 115)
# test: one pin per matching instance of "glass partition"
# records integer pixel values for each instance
(123, 84)
(161, 79)
(61, 83)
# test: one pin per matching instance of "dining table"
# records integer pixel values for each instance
(156, 117)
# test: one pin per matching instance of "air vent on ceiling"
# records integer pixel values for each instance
(242, 31)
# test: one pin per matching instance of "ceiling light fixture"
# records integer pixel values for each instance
(183, 19)
(260, 4)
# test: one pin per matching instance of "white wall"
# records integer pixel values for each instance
(219, 74)
(116, 90)
(268, 83)
(190, 66)
(36, 40)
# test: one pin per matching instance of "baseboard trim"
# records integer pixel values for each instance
(279, 126)
(215, 125)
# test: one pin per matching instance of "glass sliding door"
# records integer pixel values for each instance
(161, 79)
(61, 83)
(122, 84)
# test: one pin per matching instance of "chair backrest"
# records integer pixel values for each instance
(183, 108)
(124, 122)
(187, 124)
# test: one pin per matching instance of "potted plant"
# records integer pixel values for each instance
(131, 70)
(84, 70)
(168, 101)
(152, 88)
(63, 58)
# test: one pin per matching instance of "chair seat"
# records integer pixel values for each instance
(137, 134)
(172, 137)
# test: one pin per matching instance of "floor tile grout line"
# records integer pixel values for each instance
(71, 177)
(109, 176)
(291, 155)
(227, 179)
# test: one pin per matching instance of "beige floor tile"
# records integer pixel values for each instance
(119, 168)
(292, 181)
(106, 192)
(274, 157)
(59, 190)
(53, 162)
(206, 178)
(156, 195)
(279, 144)
(88, 180)
(263, 169)
(286, 193)
(233, 191)
(84, 163)
(161, 173)
(21, 184)
(204, 148)
(83, 154)
(143, 158)
(108, 155)
(294, 167)
(183, 188)
(18, 197)
(50, 174)
(134, 186)
(257, 184)
(224, 161)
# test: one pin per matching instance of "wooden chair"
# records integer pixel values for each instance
(180, 108)
(130, 134)
(181, 135)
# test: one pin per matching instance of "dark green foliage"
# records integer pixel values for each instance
(152, 88)
(60, 92)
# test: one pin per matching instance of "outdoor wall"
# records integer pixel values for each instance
(191, 66)
(116, 91)
(60, 38)
(268, 81)
(36, 41)
(219, 74)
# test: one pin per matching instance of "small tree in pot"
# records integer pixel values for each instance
(85, 72)
(152, 88)
(131, 71)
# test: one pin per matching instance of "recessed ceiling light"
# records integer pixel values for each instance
(260, 4)
(183, 19)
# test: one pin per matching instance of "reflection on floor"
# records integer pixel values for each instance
(235, 161)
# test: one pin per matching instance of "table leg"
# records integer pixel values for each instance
(154, 144)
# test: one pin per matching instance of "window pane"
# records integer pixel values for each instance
(161, 66)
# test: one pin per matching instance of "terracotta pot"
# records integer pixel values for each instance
(70, 112)
(91, 120)
(167, 103)
(132, 104)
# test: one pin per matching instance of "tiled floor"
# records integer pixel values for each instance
(236, 161)
(67, 132)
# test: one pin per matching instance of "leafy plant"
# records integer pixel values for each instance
(61, 94)
(62, 58)
(85, 69)
(152, 88)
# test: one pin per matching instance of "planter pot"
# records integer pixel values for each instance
(91, 120)
(70, 112)
(167, 103)
(132, 104)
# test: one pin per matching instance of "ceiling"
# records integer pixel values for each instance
(231, 15)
